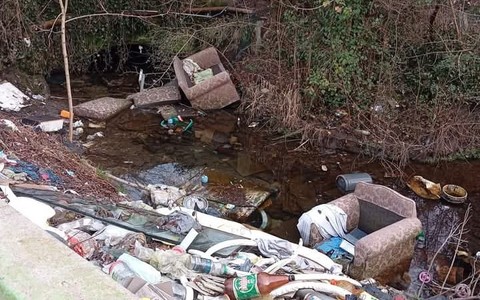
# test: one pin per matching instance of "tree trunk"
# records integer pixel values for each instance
(64, 7)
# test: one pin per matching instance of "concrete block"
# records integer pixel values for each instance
(37, 266)
(156, 96)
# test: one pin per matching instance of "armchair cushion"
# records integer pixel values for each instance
(374, 217)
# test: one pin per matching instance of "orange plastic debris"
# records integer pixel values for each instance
(65, 114)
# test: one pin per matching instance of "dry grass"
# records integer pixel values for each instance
(47, 151)
(418, 130)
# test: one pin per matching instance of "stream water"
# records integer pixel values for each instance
(135, 147)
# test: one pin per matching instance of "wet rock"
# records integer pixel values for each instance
(209, 136)
(167, 111)
(102, 108)
(221, 121)
(300, 196)
(247, 166)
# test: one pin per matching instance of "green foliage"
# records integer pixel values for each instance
(93, 31)
(337, 43)
(102, 173)
(358, 50)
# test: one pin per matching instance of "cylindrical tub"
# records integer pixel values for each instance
(347, 182)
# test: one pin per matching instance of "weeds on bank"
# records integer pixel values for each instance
(398, 69)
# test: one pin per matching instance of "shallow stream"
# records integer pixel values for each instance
(136, 148)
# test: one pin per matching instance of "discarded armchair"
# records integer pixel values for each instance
(214, 92)
(390, 221)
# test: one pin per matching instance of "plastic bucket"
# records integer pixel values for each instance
(347, 182)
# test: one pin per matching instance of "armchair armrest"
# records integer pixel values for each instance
(206, 85)
(350, 205)
(387, 245)
(206, 58)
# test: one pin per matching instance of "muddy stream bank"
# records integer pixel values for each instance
(136, 148)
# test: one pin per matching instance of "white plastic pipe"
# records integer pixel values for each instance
(199, 253)
(189, 291)
(240, 230)
(317, 286)
(187, 241)
(230, 243)
(279, 264)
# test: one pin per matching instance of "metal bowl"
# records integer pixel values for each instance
(454, 193)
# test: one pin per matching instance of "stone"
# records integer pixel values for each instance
(247, 166)
(167, 111)
(156, 96)
(102, 108)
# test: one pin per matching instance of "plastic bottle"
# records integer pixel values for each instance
(140, 268)
(254, 285)
(207, 266)
(120, 272)
(310, 294)
(347, 286)
(421, 240)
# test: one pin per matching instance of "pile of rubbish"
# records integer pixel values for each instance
(178, 247)
(180, 253)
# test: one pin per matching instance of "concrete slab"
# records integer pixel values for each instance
(156, 96)
(34, 265)
(102, 108)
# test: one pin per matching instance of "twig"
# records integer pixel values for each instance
(136, 185)
(465, 220)
(221, 8)
(301, 145)
(287, 135)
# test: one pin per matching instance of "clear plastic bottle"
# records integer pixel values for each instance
(207, 266)
(120, 272)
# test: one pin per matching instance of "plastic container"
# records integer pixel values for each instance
(207, 266)
(310, 294)
(454, 193)
(421, 240)
(347, 182)
(142, 269)
(120, 272)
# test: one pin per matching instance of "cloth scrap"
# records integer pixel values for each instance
(329, 219)
(275, 248)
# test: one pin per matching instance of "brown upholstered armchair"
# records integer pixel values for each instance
(391, 223)
(215, 92)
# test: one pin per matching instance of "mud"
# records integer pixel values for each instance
(137, 148)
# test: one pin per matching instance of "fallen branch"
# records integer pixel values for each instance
(135, 185)
(220, 8)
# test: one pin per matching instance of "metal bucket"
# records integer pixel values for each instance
(347, 182)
